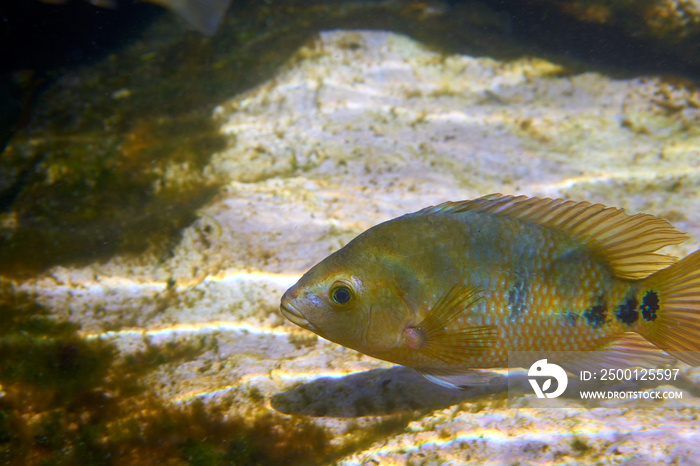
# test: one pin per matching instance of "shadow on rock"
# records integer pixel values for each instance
(377, 392)
(400, 390)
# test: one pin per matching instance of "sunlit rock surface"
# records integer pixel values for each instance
(358, 128)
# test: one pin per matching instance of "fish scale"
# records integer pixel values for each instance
(457, 286)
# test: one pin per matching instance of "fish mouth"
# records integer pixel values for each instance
(293, 315)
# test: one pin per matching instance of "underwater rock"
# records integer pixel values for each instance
(112, 161)
(356, 128)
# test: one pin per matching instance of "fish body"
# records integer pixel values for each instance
(457, 286)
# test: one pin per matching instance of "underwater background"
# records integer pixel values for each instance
(161, 188)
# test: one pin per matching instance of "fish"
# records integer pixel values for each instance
(451, 289)
(203, 15)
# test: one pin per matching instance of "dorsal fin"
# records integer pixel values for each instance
(627, 242)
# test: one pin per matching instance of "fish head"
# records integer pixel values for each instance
(349, 300)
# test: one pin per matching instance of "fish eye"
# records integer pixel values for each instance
(341, 293)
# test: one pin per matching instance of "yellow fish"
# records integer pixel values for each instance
(455, 287)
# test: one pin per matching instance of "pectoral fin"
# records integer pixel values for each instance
(439, 337)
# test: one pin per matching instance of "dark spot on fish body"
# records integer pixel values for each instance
(595, 316)
(650, 304)
(627, 312)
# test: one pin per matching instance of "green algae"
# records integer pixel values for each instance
(153, 356)
(579, 445)
(47, 354)
(68, 400)
(90, 199)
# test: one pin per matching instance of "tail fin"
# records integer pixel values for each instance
(670, 309)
